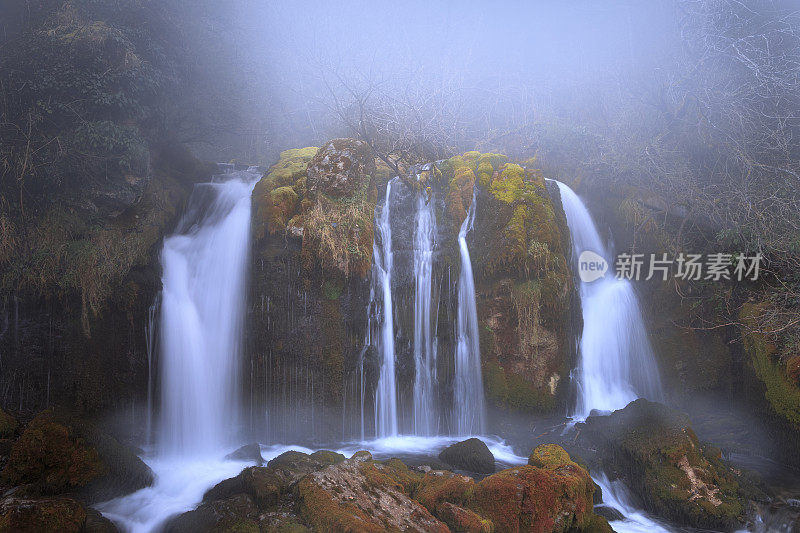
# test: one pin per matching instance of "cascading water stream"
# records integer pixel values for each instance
(386, 392)
(202, 311)
(468, 390)
(616, 361)
(200, 328)
(425, 411)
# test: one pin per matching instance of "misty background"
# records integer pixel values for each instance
(688, 107)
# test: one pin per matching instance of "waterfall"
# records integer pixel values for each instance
(425, 412)
(386, 392)
(616, 361)
(202, 309)
(469, 401)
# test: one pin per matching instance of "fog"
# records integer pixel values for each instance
(493, 65)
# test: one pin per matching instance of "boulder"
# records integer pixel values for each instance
(340, 168)
(358, 495)
(440, 486)
(237, 513)
(553, 497)
(459, 519)
(471, 455)
(56, 515)
(248, 452)
(264, 485)
(654, 451)
(57, 453)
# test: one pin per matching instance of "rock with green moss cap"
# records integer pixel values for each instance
(556, 497)
(654, 451)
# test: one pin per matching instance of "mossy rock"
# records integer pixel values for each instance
(509, 185)
(327, 457)
(409, 479)
(359, 496)
(460, 519)
(549, 456)
(780, 381)
(659, 457)
(439, 486)
(47, 515)
(57, 453)
(530, 498)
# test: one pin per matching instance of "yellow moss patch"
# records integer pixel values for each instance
(282, 207)
(508, 186)
(459, 194)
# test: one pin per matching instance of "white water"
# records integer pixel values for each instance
(615, 495)
(386, 392)
(202, 311)
(469, 402)
(616, 364)
(204, 269)
(425, 405)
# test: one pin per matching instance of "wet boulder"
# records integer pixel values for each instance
(471, 455)
(58, 514)
(359, 495)
(237, 513)
(556, 496)
(264, 485)
(340, 168)
(248, 452)
(654, 451)
(440, 486)
(57, 453)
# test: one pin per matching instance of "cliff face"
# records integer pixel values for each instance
(76, 292)
(311, 362)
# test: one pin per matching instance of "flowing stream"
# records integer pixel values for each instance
(616, 363)
(202, 309)
(386, 392)
(470, 409)
(425, 399)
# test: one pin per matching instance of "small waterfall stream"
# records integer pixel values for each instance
(468, 391)
(386, 392)
(616, 361)
(425, 401)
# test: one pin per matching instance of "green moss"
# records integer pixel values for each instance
(50, 454)
(327, 457)
(438, 487)
(511, 390)
(401, 474)
(529, 498)
(332, 289)
(282, 207)
(549, 456)
(459, 194)
(781, 392)
(509, 185)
